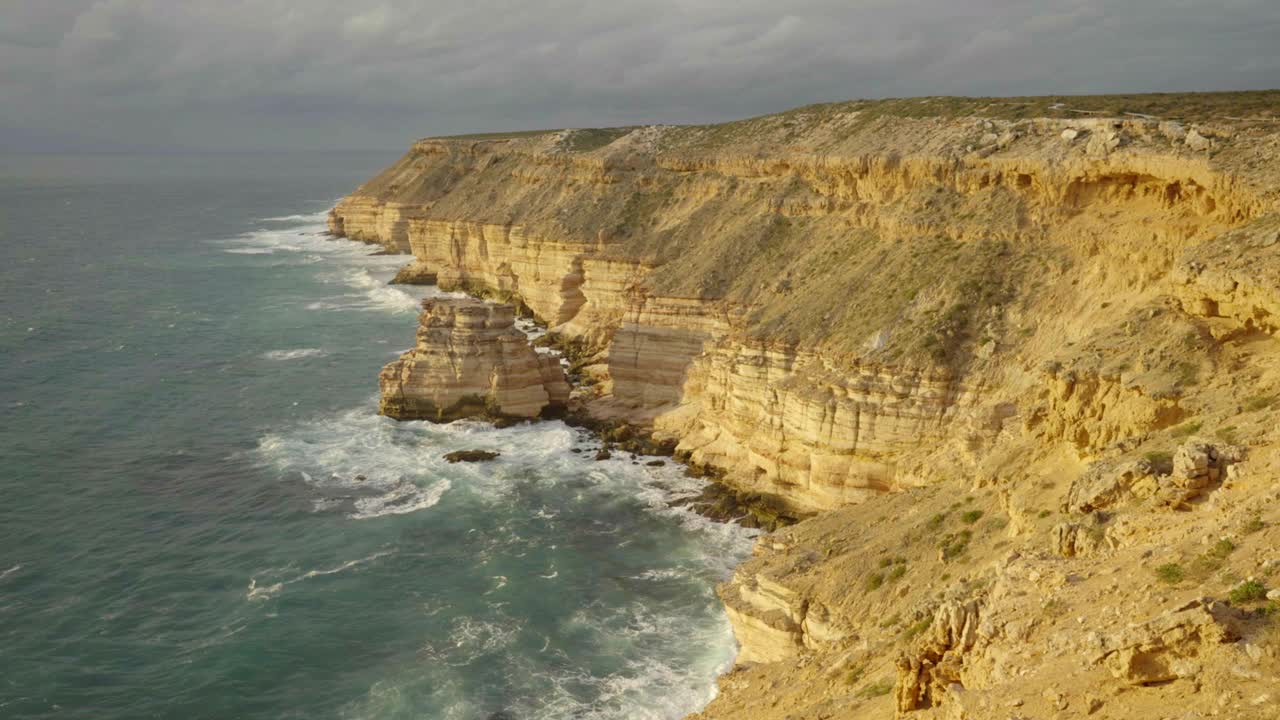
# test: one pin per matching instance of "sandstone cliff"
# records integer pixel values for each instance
(471, 360)
(1019, 354)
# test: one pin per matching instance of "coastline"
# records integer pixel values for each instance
(919, 332)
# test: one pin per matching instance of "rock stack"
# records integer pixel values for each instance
(469, 361)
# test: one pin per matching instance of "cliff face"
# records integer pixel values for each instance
(807, 299)
(471, 360)
(882, 311)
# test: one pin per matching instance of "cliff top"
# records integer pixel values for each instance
(918, 231)
(1236, 108)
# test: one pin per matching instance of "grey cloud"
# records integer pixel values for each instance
(300, 74)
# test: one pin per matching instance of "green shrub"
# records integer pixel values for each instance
(936, 521)
(876, 689)
(1221, 549)
(1252, 526)
(1259, 402)
(1159, 457)
(897, 572)
(1187, 429)
(953, 545)
(1044, 514)
(874, 581)
(1248, 592)
(1171, 573)
(971, 517)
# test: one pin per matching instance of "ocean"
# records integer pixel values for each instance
(203, 516)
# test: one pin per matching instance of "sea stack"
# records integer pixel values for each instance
(471, 361)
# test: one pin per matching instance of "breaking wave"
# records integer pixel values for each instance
(272, 589)
(295, 354)
(561, 585)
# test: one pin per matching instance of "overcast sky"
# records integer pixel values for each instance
(375, 74)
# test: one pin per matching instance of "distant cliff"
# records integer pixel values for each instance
(907, 314)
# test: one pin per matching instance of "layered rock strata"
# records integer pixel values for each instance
(807, 300)
(470, 360)
(1011, 364)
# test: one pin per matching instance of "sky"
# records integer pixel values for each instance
(310, 75)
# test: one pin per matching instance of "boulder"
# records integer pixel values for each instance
(1198, 142)
(1173, 130)
(458, 456)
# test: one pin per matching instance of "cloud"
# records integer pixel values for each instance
(245, 74)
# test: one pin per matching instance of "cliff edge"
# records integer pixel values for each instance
(1015, 357)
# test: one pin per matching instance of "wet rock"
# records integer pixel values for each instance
(458, 456)
(415, 273)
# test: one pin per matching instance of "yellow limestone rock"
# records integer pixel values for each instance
(978, 349)
(471, 360)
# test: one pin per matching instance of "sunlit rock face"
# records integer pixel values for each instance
(470, 360)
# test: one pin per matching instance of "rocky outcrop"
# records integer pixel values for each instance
(1194, 468)
(935, 667)
(767, 618)
(817, 432)
(470, 360)
(803, 319)
(415, 273)
(976, 353)
(1092, 411)
(1174, 645)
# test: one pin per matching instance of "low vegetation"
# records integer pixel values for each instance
(876, 689)
(953, 545)
(1250, 591)
(1171, 573)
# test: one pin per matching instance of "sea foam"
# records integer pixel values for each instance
(295, 354)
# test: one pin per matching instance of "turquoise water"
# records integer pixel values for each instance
(189, 393)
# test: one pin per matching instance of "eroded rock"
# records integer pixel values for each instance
(1170, 646)
(469, 361)
(927, 673)
(415, 273)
